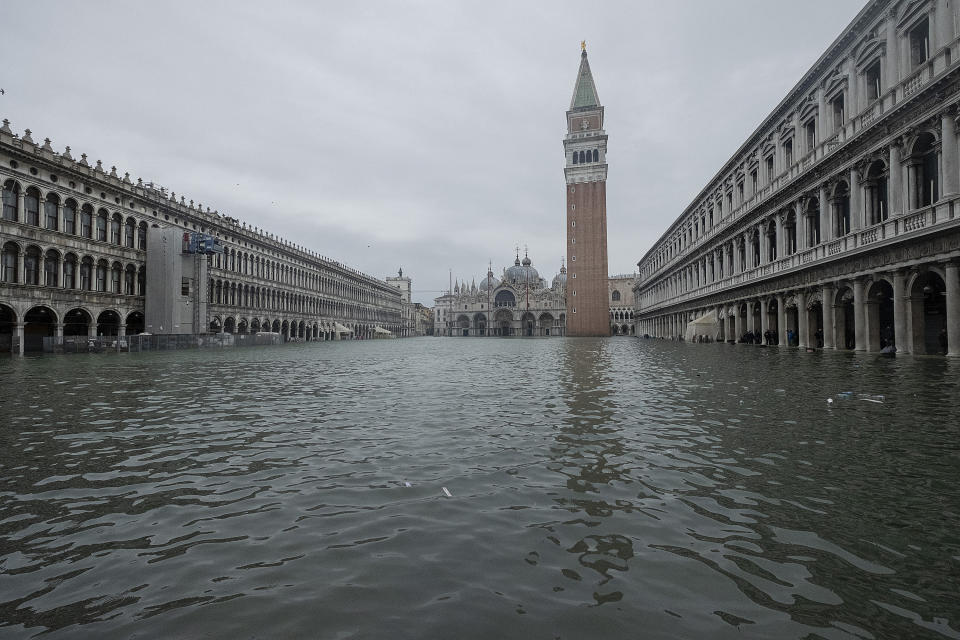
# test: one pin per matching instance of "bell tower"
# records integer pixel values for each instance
(585, 147)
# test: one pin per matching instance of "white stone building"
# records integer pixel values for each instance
(837, 223)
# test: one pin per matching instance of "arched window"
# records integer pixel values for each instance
(11, 200)
(581, 157)
(102, 275)
(596, 155)
(86, 221)
(129, 280)
(70, 271)
(8, 261)
(142, 281)
(70, 217)
(575, 158)
(116, 275)
(86, 273)
(51, 267)
(923, 167)
(615, 296)
(102, 225)
(129, 232)
(31, 266)
(116, 223)
(142, 236)
(31, 202)
(50, 211)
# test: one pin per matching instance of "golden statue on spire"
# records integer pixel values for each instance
(583, 45)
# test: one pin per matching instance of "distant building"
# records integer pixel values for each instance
(75, 262)
(621, 308)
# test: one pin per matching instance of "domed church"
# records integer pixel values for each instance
(519, 303)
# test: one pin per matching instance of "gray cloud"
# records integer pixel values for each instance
(423, 134)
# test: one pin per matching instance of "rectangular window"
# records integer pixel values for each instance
(769, 168)
(788, 153)
(872, 79)
(920, 43)
(810, 130)
(837, 109)
(573, 258)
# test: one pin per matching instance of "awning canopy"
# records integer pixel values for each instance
(382, 330)
(341, 329)
(705, 325)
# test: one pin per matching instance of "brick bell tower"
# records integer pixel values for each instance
(585, 147)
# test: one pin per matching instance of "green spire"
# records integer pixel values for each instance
(585, 92)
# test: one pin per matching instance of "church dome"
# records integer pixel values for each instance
(494, 283)
(560, 280)
(522, 274)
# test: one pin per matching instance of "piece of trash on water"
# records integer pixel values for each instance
(829, 400)
(407, 484)
(845, 394)
(446, 492)
(872, 398)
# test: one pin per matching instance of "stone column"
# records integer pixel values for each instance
(20, 270)
(900, 313)
(58, 331)
(749, 316)
(829, 316)
(60, 216)
(764, 245)
(60, 262)
(859, 321)
(893, 60)
(953, 308)
(950, 170)
(18, 334)
(781, 320)
(764, 320)
(913, 188)
(737, 329)
(856, 208)
(803, 338)
(780, 239)
(802, 232)
(894, 181)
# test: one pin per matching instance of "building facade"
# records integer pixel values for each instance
(836, 223)
(520, 303)
(621, 307)
(74, 248)
(585, 148)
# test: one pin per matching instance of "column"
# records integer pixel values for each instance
(895, 180)
(781, 244)
(913, 189)
(829, 316)
(750, 316)
(781, 320)
(893, 60)
(764, 245)
(856, 208)
(859, 321)
(949, 159)
(764, 320)
(803, 339)
(737, 329)
(20, 270)
(803, 235)
(900, 313)
(60, 216)
(953, 308)
(18, 335)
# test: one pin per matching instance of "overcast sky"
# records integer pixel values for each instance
(425, 135)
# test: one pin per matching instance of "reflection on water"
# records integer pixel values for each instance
(601, 488)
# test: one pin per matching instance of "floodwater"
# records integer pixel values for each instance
(616, 488)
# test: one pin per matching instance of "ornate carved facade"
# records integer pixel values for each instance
(836, 223)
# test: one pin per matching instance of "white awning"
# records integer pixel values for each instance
(341, 329)
(382, 330)
(705, 325)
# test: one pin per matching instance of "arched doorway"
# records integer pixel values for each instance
(528, 322)
(229, 325)
(480, 324)
(793, 322)
(76, 322)
(38, 323)
(546, 324)
(928, 314)
(773, 322)
(845, 332)
(215, 325)
(503, 322)
(135, 323)
(255, 325)
(108, 323)
(242, 326)
(813, 316)
(463, 325)
(276, 326)
(879, 316)
(8, 320)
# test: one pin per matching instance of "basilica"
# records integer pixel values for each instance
(518, 303)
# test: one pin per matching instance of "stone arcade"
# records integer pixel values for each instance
(837, 222)
(73, 258)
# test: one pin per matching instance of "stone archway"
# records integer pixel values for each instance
(76, 322)
(844, 327)
(38, 323)
(8, 321)
(135, 323)
(927, 314)
(879, 316)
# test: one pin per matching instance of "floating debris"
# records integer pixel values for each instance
(446, 492)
